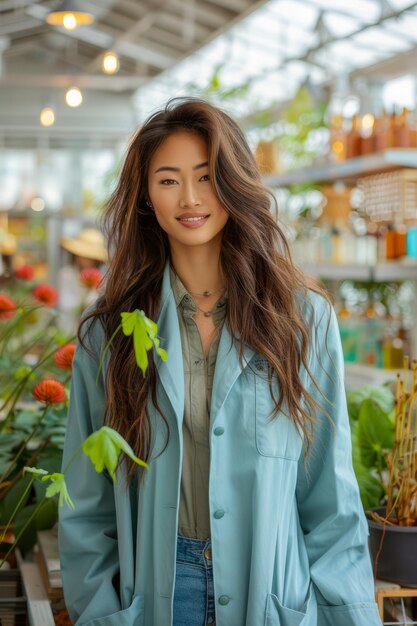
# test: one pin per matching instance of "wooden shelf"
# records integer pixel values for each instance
(381, 272)
(353, 168)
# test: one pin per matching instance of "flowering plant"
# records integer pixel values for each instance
(35, 371)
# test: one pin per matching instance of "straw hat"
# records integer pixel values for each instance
(89, 243)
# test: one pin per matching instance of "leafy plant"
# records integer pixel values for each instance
(371, 413)
(35, 373)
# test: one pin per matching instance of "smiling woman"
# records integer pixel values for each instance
(249, 513)
(181, 193)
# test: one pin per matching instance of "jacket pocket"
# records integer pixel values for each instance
(277, 614)
(132, 616)
(275, 436)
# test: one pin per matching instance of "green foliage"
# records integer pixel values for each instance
(305, 114)
(104, 447)
(371, 413)
(33, 435)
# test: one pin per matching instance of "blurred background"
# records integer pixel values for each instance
(326, 93)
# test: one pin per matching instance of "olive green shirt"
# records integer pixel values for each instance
(194, 519)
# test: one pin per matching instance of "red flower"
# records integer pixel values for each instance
(91, 278)
(64, 356)
(49, 391)
(46, 294)
(7, 307)
(25, 272)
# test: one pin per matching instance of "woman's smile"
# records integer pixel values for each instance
(193, 220)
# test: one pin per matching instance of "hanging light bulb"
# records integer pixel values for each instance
(69, 15)
(69, 21)
(73, 97)
(47, 117)
(110, 63)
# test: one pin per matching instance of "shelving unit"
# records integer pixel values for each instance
(353, 168)
(390, 270)
(399, 270)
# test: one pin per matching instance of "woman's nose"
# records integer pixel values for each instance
(190, 196)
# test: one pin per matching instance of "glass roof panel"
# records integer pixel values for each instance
(281, 44)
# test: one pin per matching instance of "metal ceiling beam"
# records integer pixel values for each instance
(64, 81)
(100, 39)
(17, 26)
(137, 29)
(211, 16)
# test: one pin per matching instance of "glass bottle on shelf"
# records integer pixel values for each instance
(412, 242)
(349, 332)
(400, 240)
(367, 134)
(390, 242)
(402, 131)
(384, 131)
(372, 330)
(353, 138)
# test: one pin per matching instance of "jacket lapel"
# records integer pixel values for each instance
(227, 369)
(171, 372)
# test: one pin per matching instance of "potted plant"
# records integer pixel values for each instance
(385, 460)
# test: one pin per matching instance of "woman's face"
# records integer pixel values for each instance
(181, 193)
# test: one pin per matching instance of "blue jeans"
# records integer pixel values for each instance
(194, 594)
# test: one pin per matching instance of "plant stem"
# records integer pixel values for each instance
(16, 508)
(22, 530)
(20, 473)
(24, 444)
(72, 459)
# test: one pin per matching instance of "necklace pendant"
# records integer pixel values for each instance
(206, 293)
(207, 313)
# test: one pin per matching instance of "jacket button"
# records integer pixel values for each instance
(224, 600)
(218, 431)
(218, 514)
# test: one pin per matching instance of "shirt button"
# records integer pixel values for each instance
(218, 514)
(224, 600)
(218, 431)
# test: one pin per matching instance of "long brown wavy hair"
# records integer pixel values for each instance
(263, 311)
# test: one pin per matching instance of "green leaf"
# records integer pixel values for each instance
(103, 448)
(144, 332)
(371, 491)
(375, 433)
(382, 396)
(58, 485)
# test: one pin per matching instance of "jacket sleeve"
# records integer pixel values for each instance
(87, 534)
(330, 509)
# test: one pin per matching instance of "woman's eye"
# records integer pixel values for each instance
(168, 181)
(206, 177)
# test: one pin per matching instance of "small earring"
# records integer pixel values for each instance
(149, 204)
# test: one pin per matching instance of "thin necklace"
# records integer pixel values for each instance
(211, 311)
(206, 294)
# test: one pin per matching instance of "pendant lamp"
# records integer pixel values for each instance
(69, 14)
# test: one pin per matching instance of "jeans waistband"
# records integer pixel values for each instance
(196, 551)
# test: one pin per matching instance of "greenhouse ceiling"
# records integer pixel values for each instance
(249, 55)
(262, 60)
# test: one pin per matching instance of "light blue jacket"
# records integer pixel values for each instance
(289, 540)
